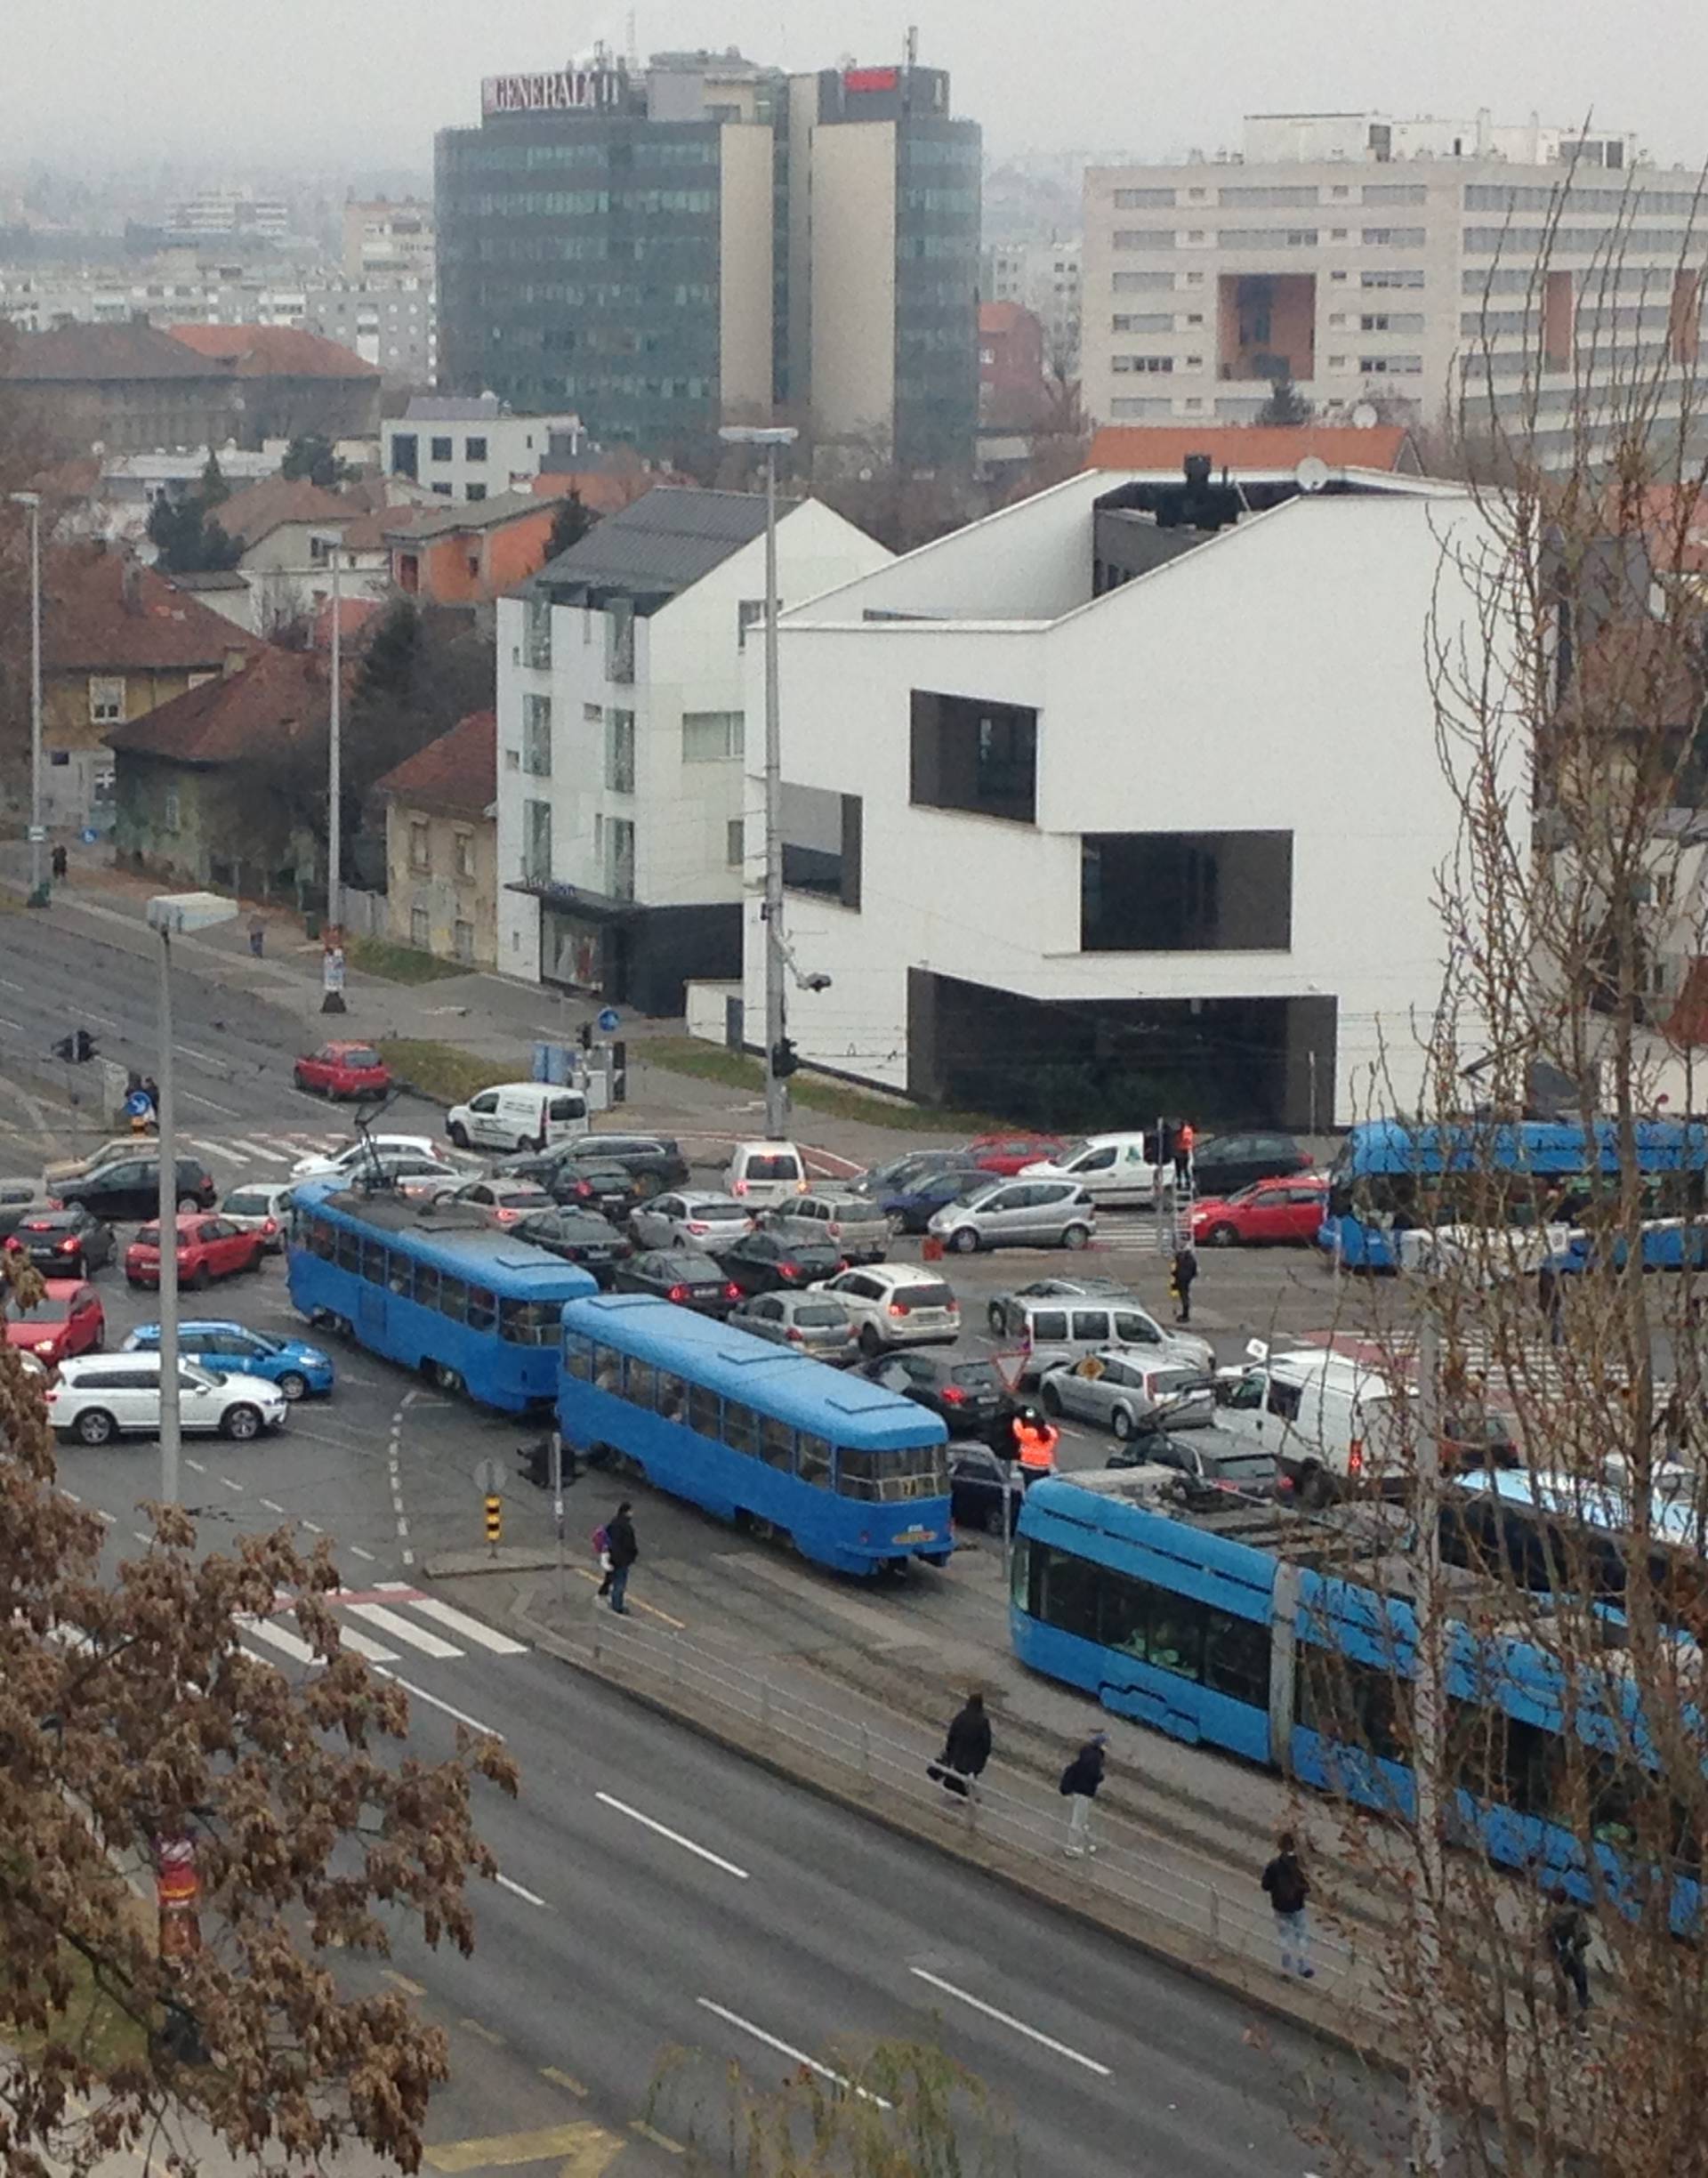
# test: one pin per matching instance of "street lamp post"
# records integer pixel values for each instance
(777, 1095)
(32, 502)
(333, 998)
(172, 915)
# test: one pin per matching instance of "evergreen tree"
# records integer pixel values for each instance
(1286, 405)
(574, 518)
(215, 489)
(311, 456)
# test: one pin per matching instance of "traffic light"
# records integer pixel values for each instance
(76, 1049)
(585, 1033)
(784, 1061)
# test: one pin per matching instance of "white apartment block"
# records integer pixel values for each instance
(1367, 259)
(623, 787)
(473, 447)
(1093, 785)
(1043, 278)
(388, 239)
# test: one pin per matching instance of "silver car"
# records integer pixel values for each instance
(1126, 1393)
(807, 1323)
(851, 1225)
(685, 1219)
(1016, 1213)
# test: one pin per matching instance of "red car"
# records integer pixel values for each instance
(1289, 1208)
(1007, 1153)
(344, 1070)
(208, 1247)
(68, 1319)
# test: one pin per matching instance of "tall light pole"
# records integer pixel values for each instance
(776, 1096)
(172, 915)
(32, 501)
(332, 999)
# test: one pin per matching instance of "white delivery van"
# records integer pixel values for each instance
(761, 1174)
(1333, 1424)
(518, 1116)
(1115, 1170)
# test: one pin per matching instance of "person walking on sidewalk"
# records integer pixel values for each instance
(620, 1553)
(1566, 1934)
(966, 1749)
(1289, 1892)
(1179, 1283)
(257, 936)
(1079, 1783)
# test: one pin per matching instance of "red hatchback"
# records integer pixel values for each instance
(1007, 1154)
(208, 1248)
(68, 1319)
(1289, 1208)
(344, 1070)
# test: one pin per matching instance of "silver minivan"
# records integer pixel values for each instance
(851, 1225)
(1066, 1329)
(1016, 1213)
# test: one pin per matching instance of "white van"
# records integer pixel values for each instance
(1332, 1423)
(1115, 1170)
(762, 1173)
(519, 1117)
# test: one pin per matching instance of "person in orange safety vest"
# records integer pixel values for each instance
(1036, 1439)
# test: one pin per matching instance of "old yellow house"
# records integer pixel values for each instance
(441, 843)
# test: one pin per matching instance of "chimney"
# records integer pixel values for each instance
(234, 662)
(130, 583)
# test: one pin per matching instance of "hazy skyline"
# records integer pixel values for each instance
(207, 81)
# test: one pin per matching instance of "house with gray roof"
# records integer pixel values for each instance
(625, 782)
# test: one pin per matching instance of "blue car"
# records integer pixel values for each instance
(912, 1198)
(297, 1368)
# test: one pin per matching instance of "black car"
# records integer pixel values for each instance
(18, 1200)
(683, 1274)
(759, 1263)
(654, 1161)
(66, 1243)
(578, 1237)
(1222, 1163)
(1216, 1458)
(967, 1395)
(978, 1482)
(610, 1189)
(130, 1187)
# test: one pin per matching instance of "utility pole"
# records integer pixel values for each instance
(1429, 1750)
(332, 1000)
(31, 502)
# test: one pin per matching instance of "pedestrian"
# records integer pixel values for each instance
(257, 936)
(966, 1749)
(60, 862)
(1079, 1783)
(619, 1550)
(1179, 1283)
(1184, 1140)
(1567, 1937)
(1289, 1889)
(1036, 1439)
(1550, 1298)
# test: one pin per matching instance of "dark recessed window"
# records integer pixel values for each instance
(822, 842)
(974, 755)
(1186, 892)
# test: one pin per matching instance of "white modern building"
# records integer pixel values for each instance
(1368, 259)
(623, 796)
(473, 447)
(1094, 784)
(1045, 279)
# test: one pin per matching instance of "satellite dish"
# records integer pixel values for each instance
(1311, 474)
(1365, 417)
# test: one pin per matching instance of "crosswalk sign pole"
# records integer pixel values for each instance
(494, 1524)
(557, 1499)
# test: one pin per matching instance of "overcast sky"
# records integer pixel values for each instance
(366, 82)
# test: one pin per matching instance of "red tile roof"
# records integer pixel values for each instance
(354, 615)
(1252, 445)
(281, 697)
(109, 351)
(1001, 316)
(259, 509)
(457, 772)
(103, 612)
(273, 351)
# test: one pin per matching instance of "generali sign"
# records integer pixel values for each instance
(556, 90)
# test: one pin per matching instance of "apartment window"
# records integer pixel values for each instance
(173, 813)
(536, 842)
(1151, 366)
(1126, 409)
(1407, 276)
(712, 737)
(1268, 199)
(1140, 283)
(1142, 321)
(442, 490)
(421, 930)
(405, 454)
(1375, 321)
(1143, 199)
(1337, 362)
(619, 640)
(1395, 237)
(462, 941)
(735, 842)
(619, 752)
(512, 759)
(749, 613)
(972, 756)
(477, 491)
(537, 735)
(474, 449)
(105, 702)
(1391, 366)
(1143, 238)
(822, 842)
(443, 450)
(463, 852)
(421, 845)
(536, 635)
(1396, 192)
(619, 834)
(593, 714)
(1186, 892)
(1265, 238)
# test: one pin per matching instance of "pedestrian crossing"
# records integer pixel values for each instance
(382, 1625)
(269, 1154)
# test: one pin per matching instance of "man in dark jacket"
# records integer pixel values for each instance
(1288, 1889)
(967, 1748)
(1079, 1783)
(1186, 1268)
(622, 1550)
(1568, 1936)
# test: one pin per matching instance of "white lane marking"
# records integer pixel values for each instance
(1007, 2019)
(675, 1837)
(459, 1622)
(271, 1505)
(196, 1466)
(787, 2049)
(354, 1549)
(201, 1057)
(268, 1152)
(509, 1882)
(400, 1630)
(16, 1027)
(225, 1482)
(106, 1519)
(219, 1150)
(279, 1637)
(311, 1528)
(6, 983)
(433, 1702)
(224, 1110)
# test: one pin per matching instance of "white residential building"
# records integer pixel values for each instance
(1367, 259)
(1092, 785)
(473, 447)
(622, 792)
(1045, 279)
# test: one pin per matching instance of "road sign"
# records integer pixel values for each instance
(609, 1022)
(37, 835)
(331, 968)
(488, 1478)
(88, 836)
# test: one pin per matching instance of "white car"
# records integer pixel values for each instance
(519, 1117)
(99, 1397)
(1113, 1169)
(711, 1222)
(761, 1174)
(896, 1304)
(356, 1154)
(262, 1206)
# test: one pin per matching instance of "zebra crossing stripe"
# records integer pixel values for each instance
(268, 1151)
(459, 1622)
(210, 1149)
(398, 1628)
(363, 1647)
(280, 1637)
